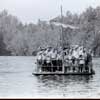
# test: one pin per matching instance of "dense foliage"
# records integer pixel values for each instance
(21, 39)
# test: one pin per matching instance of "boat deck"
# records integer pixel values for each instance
(60, 73)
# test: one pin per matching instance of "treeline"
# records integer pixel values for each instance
(21, 39)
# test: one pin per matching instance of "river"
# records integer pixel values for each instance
(17, 81)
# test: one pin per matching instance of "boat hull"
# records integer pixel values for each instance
(60, 73)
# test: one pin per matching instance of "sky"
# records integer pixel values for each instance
(31, 10)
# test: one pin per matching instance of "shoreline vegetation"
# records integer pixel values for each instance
(18, 39)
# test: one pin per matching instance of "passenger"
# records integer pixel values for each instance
(70, 61)
(48, 61)
(89, 62)
(54, 57)
(39, 58)
(68, 67)
(54, 54)
(73, 63)
(81, 51)
(66, 63)
(48, 57)
(74, 59)
(76, 64)
(81, 63)
(44, 59)
(59, 59)
(85, 59)
(46, 52)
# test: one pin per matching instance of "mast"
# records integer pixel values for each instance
(62, 40)
(62, 29)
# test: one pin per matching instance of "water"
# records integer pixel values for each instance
(17, 81)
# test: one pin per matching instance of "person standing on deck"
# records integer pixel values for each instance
(44, 59)
(81, 63)
(66, 61)
(54, 57)
(70, 60)
(75, 59)
(59, 59)
(48, 59)
(89, 62)
(85, 59)
(39, 58)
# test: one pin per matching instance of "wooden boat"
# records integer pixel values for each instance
(62, 69)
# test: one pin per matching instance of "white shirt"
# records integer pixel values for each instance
(53, 55)
(43, 57)
(59, 56)
(48, 59)
(81, 61)
(75, 54)
(39, 57)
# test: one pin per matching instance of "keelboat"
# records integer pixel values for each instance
(69, 60)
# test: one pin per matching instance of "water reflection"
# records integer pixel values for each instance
(64, 85)
(65, 79)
